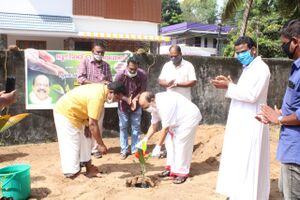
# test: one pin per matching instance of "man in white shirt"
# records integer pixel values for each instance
(244, 172)
(178, 75)
(179, 118)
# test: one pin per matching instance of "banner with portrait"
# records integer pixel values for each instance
(49, 74)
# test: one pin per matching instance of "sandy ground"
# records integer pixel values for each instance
(47, 181)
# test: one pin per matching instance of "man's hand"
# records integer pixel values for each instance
(87, 132)
(156, 151)
(102, 149)
(134, 103)
(270, 114)
(7, 99)
(170, 83)
(260, 117)
(221, 82)
(128, 100)
(144, 141)
(172, 86)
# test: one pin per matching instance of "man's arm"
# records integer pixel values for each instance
(165, 83)
(151, 130)
(82, 73)
(95, 131)
(272, 116)
(163, 132)
(7, 98)
(185, 84)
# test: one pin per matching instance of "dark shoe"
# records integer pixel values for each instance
(179, 179)
(123, 156)
(97, 155)
(165, 173)
(163, 154)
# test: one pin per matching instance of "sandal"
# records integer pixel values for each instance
(165, 173)
(179, 179)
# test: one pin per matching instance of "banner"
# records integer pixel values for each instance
(49, 74)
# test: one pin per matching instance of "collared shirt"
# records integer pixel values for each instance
(182, 73)
(82, 102)
(93, 71)
(288, 150)
(133, 86)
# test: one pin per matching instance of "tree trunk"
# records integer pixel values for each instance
(245, 17)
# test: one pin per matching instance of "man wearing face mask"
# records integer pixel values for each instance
(244, 165)
(135, 81)
(288, 151)
(95, 70)
(80, 106)
(178, 75)
(179, 119)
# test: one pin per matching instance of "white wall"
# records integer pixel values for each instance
(94, 24)
(52, 43)
(37, 7)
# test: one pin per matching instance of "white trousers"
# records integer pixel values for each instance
(74, 147)
(179, 145)
(100, 124)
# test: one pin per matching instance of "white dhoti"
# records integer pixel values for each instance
(179, 145)
(74, 147)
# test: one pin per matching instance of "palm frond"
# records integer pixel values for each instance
(230, 8)
(7, 121)
(289, 8)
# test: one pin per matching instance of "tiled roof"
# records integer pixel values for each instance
(193, 26)
(36, 22)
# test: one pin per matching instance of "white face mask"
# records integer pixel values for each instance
(97, 57)
(150, 109)
(131, 75)
(109, 101)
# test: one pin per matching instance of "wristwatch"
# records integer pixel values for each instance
(280, 119)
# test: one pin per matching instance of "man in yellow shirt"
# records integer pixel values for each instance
(81, 106)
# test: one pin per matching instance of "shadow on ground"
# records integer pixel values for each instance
(12, 156)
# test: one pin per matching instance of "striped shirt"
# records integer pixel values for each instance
(93, 71)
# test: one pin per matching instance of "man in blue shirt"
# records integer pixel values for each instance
(288, 151)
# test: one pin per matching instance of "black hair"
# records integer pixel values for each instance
(176, 47)
(291, 29)
(117, 87)
(133, 60)
(150, 96)
(100, 44)
(245, 40)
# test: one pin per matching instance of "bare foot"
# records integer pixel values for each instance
(93, 172)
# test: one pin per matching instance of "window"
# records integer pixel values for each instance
(83, 46)
(197, 41)
(215, 41)
(205, 42)
(24, 44)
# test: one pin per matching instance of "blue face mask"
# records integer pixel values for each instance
(245, 58)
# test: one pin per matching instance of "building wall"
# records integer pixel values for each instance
(138, 10)
(52, 43)
(38, 7)
(96, 24)
(39, 126)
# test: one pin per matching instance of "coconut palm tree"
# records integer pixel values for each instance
(288, 9)
(230, 9)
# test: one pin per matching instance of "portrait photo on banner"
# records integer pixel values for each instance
(49, 74)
